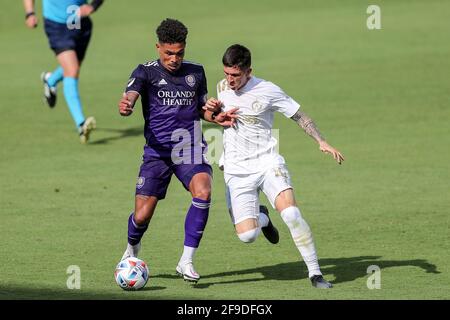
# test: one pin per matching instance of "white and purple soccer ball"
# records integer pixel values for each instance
(131, 274)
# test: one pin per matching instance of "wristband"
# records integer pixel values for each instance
(29, 14)
(96, 4)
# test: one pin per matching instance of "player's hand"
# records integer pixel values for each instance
(326, 148)
(213, 105)
(31, 22)
(86, 10)
(228, 118)
(125, 106)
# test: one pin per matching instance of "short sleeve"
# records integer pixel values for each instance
(281, 102)
(137, 81)
(202, 90)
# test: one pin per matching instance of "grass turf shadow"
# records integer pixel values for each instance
(343, 269)
(23, 293)
(120, 134)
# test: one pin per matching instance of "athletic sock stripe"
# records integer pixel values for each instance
(303, 240)
(201, 205)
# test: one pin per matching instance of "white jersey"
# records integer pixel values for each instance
(249, 146)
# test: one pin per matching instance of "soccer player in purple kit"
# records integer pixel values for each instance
(173, 92)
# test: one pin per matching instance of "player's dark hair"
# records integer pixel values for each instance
(171, 31)
(237, 55)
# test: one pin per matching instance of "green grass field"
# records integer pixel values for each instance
(379, 96)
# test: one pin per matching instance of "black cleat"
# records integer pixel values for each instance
(270, 232)
(49, 92)
(319, 282)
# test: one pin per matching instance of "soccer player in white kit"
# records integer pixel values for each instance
(250, 159)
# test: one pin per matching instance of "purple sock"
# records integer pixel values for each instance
(195, 223)
(135, 232)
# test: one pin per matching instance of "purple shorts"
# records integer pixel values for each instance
(155, 174)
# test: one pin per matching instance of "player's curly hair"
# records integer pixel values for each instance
(171, 31)
(237, 55)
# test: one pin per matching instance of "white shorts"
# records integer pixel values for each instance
(242, 191)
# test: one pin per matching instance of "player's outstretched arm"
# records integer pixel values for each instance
(31, 20)
(307, 124)
(126, 104)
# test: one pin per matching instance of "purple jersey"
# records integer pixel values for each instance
(170, 105)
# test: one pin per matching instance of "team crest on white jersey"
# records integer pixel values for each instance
(190, 80)
(162, 82)
(257, 106)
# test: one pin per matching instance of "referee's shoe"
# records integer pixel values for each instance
(49, 92)
(86, 128)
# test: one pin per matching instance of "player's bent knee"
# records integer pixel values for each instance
(144, 208)
(291, 214)
(72, 73)
(285, 199)
(141, 219)
(249, 236)
(293, 218)
(204, 194)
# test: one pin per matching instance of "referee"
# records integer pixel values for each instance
(68, 29)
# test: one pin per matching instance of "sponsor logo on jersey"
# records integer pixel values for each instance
(190, 80)
(162, 82)
(248, 119)
(176, 98)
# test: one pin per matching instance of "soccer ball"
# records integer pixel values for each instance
(131, 274)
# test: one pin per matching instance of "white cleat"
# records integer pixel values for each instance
(188, 272)
(86, 129)
(131, 251)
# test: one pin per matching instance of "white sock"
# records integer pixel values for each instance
(302, 236)
(250, 235)
(134, 250)
(188, 255)
(263, 220)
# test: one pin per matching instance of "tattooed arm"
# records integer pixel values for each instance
(307, 124)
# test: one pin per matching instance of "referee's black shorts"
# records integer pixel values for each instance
(61, 38)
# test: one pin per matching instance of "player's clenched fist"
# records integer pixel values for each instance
(125, 106)
(213, 105)
(31, 21)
